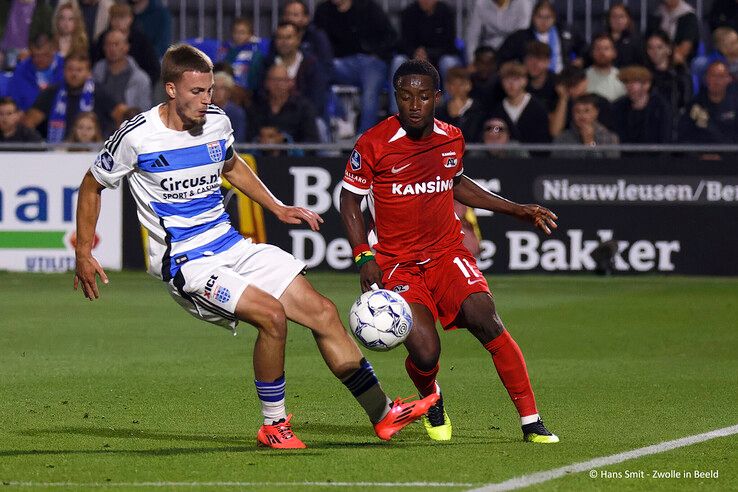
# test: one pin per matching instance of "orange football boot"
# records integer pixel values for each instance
(279, 436)
(403, 412)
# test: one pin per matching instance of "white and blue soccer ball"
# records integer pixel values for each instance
(380, 319)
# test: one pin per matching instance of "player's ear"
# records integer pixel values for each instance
(438, 97)
(170, 89)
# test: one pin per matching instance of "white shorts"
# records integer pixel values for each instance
(214, 284)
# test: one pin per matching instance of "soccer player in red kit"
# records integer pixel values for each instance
(410, 168)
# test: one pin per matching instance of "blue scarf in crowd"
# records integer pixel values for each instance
(553, 43)
(58, 117)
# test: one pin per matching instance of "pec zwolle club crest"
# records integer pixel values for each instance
(215, 152)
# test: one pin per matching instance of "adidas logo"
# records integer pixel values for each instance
(160, 161)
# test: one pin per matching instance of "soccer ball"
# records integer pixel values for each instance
(380, 319)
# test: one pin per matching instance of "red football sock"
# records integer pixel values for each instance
(511, 368)
(425, 382)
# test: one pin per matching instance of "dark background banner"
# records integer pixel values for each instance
(661, 215)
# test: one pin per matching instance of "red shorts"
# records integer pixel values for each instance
(441, 283)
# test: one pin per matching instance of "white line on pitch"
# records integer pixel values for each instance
(235, 484)
(545, 476)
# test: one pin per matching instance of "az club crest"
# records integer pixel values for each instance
(450, 163)
(215, 151)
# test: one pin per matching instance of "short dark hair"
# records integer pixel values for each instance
(281, 24)
(662, 35)
(537, 49)
(242, 20)
(417, 67)
(587, 98)
(483, 50)
(544, 4)
(457, 73)
(571, 76)
(8, 100)
(80, 56)
(181, 58)
(600, 37)
(300, 2)
(39, 39)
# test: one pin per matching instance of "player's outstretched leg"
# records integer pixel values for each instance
(424, 351)
(479, 316)
(266, 313)
(304, 305)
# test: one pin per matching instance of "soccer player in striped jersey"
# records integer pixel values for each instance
(174, 156)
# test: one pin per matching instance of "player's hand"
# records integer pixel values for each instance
(541, 217)
(297, 215)
(87, 270)
(370, 273)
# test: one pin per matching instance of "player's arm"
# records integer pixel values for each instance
(353, 222)
(240, 175)
(469, 193)
(88, 211)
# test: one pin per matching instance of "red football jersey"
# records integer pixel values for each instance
(409, 184)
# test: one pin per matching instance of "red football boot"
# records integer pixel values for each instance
(403, 413)
(279, 436)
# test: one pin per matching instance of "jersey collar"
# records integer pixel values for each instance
(401, 132)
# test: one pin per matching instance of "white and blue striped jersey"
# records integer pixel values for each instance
(174, 177)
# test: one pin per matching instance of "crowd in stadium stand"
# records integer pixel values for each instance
(75, 69)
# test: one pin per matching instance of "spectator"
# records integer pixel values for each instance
(155, 20)
(641, 117)
(525, 116)
(723, 13)
(492, 21)
(58, 105)
(428, 32)
(602, 76)
(222, 98)
(119, 74)
(313, 40)
(140, 48)
(244, 55)
(280, 107)
(586, 130)
(69, 30)
(34, 74)
(566, 46)
(461, 110)
(303, 68)
(486, 87)
(10, 128)
(622, 30)
(725, 44)
(86, 130)
(270, 135)
(572, 83)
(497, 134)
(673, 83)
(20, 22)
(130, 112)
(96, 15)
(712, 116)
(677, 19)
(541, 83)
(362, 38)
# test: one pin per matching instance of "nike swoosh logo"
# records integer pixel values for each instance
(470, 282)
(396, 170)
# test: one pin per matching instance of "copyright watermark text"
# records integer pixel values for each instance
(654, 474)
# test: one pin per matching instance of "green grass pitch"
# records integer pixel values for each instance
(130, 390)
